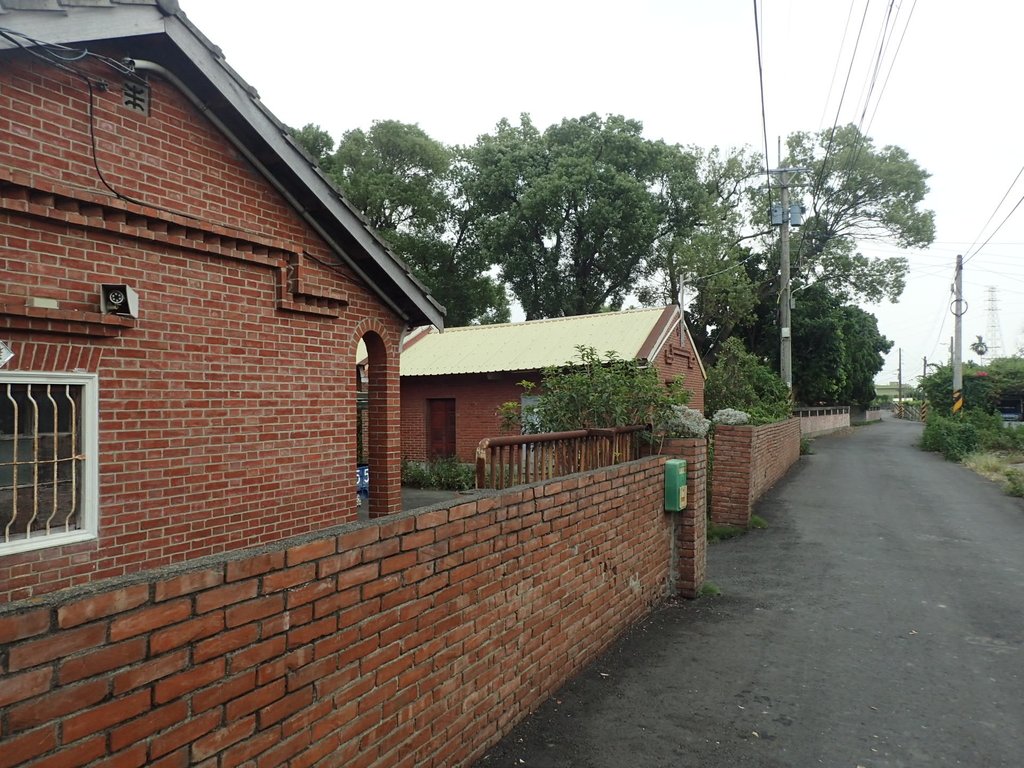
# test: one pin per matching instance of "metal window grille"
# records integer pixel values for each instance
(42, 460)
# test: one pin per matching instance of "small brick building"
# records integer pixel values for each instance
(184, 294)
(454, 382)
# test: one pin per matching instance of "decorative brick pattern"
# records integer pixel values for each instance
(228, 408)
(749, 461)
(419, 639)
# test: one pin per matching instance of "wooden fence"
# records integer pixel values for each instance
(517, 459)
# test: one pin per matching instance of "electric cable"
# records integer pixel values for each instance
(764, 118)
(995, 210)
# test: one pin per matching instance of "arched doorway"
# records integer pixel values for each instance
(377, 426)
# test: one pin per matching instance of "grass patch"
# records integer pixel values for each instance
(723, 531)
(1015, 482)
(998, 466)
(718, 532)
(710, 589)
(805, 446)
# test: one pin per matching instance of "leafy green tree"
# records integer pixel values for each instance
(980, 348)
(409, 188)
(857, 192)
(569, 214)
(316, 141)
(837, 350)
(742, 381)
(705, 253)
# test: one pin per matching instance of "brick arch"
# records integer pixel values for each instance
(382, 428)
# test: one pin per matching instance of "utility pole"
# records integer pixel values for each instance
(899, 375)
(958, 366)
(924, 366)
(786, 215)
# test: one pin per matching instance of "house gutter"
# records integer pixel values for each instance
(166, 74)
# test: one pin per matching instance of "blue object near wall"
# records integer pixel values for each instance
(363, 481)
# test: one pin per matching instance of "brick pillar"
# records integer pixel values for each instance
(384, 440)
(692, 523)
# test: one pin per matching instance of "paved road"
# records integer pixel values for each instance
(878, 621)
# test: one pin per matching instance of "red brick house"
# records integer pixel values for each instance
(454, 382)
(184, 294)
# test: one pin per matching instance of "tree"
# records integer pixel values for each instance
(857, 192)
(980, 348)
(837, 350)
(569, 213)
(742, 381)
(407, 187)
(317, 142)
(705, 254)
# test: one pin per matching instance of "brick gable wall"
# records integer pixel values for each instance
(227, 409)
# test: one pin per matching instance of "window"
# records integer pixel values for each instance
(48, 460)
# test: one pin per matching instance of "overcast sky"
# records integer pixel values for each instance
(688, 70)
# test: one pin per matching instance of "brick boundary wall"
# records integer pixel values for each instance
(747, 462)
(865, 414)
(415, 640)
(822, 421)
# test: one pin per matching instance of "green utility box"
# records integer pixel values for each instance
(675, 485)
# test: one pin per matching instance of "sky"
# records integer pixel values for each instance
(947, 92)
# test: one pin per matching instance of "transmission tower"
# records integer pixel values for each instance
(993, 332)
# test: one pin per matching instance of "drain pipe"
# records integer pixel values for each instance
(166, 74)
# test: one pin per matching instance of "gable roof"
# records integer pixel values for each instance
(169, 45)
(632, 334)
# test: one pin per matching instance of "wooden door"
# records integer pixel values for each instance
(440, 428)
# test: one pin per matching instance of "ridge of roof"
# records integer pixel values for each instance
(549, 320)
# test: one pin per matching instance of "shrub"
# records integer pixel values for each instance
(730, 416)
(1015, 482)
(740, 380)
(595, 392)
(953, 438)
(447, 474)
(683, 422)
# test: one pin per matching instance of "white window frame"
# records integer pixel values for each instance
(89, 442)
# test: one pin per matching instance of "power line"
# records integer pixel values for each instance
(835, 69)
(892, 63)
(1006, 194)
(764, 118)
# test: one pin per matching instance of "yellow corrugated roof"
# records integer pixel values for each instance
(529, 345)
